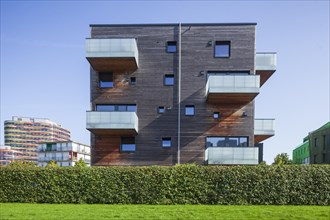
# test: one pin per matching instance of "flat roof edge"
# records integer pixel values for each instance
(173, 24)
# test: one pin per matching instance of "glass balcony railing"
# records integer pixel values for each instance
(266, 61)
(116, 53)
(264, 127)
(232, 155)
(233, 84)
(112, 121)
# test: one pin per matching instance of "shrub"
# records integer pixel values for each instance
(185, 184)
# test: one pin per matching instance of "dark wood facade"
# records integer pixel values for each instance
(149, 92)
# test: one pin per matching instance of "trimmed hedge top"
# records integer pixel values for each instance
(184, 184)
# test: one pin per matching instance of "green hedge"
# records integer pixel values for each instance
(185, 184)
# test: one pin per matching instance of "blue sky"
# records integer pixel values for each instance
(44, 72)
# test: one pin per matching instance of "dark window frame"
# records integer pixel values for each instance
(161, 109)
(105, 76)
(132, 80)
(166, 76)
(116, 107)
(129, 141)
(187, 107)
(171, 47)
(218, 45)
(226, 138)
(168, 139)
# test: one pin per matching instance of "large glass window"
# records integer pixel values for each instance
(190, 110)
(222, 49)
(169, 80)
(116, 108)
(105, 79)
(128, 144)
(171, 47)
(226, 141)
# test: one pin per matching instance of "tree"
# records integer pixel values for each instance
(282, 159)
(22, 164)
(263, 163)
(80, 163)
(52, 164)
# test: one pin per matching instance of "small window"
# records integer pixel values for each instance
(190, 110)
(216, 115)
(128, 144)
(133, 81)
(169, 80)
(315, 142)
(105, 80)
(171, 47)
(222, 49)
(166, 142)
(161, 109)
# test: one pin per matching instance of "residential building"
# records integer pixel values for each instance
(64, 153)
(316, 147)
(301, 153)
(24, 134)
(8, 155)
(166, 94)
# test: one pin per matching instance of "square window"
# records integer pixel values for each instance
(169, 80)
(222, 49)
(105, 80)
(171, 47)
(190, 110)
(161, 109)
(128, 144)
(133, 80)
(166, 142)
(216, 115)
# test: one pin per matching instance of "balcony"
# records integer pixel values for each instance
(265, 66)
(112, 54)
(232, 89)
(112, 123)
(232, 155)
(263, 129)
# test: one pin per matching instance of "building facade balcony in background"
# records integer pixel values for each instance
(112, 54)
(265, 65)
(263, 129)
(112, 123)
(232, 155)
(232, 89)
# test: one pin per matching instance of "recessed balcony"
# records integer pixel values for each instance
(263, 129)
(265, 65)
(112, 123)
(232, 155)
(112, 54)
(232, 89)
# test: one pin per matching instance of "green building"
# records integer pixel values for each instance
(301, 153)
(315, 149)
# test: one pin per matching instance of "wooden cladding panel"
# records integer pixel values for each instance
(231, 98)
(150, 92)
(113, 64)
(264, 75)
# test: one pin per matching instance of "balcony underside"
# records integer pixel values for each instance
(261, 138)
(231, 98)
(264, 75)
(104, 64)
(114, 132)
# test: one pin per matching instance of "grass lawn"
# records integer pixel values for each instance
(72, 211)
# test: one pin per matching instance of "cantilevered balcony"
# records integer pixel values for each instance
(112, 54)
(232, 155)
(112, 123)
(263, 129)
(232, 89)
(265, 66)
